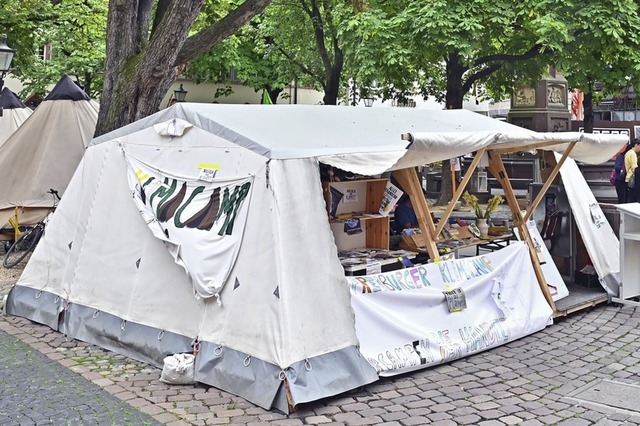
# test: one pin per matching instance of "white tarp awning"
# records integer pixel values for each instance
(367, 140)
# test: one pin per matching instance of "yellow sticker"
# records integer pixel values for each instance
(142, 175)
(209, 166)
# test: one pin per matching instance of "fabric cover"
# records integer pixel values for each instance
(67, 89)
(597, 234)
(285, 305)
(9, 100)
(276, 307)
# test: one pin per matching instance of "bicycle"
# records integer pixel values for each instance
(28, 239)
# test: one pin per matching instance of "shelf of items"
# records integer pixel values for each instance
(359, 199)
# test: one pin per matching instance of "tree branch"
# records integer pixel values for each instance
(302, 67)
(318, 30)
(468, 84)
(532, 52)
(206, 39)
(161, 10)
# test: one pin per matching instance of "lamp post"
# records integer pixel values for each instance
(368, 102)
(180, 94)
(6, 56)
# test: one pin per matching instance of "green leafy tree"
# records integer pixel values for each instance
(306, 37)
(251, 57)
(72, 31)
(605, 52)
(444, 48)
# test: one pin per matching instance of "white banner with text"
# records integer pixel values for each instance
(430, 314)
(201, 221)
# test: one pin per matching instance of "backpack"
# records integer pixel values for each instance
(619, 171)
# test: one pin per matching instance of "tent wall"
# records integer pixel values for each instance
(11, 120)
(285, 307)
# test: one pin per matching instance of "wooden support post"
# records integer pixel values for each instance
(547, 183)
(408, 180)
(497, 169)
(456, 196)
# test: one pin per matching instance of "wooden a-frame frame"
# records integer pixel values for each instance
(408, 179)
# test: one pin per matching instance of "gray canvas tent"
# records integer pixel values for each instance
(44, 152)
(14, 113)
(207, 224)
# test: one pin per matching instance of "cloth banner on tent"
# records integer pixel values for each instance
(426, 315)
(200, 220)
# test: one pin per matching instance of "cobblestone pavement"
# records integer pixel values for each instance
(532, 381)
(38, 390)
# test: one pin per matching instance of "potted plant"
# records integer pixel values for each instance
(482, 214)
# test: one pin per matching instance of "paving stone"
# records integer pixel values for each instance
(524, 382)
(34, 386)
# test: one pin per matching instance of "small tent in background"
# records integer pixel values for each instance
(44, 152)
(14, 113)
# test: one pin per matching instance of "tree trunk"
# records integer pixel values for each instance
(587, 104)
(455, 71)
(454, 99)
(141, 63)
(332, 87)
(138, 72)
(273, 94)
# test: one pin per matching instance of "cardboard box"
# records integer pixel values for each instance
(415, 242)
(458, 232)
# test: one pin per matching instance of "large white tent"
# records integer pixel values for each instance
(131, 260)
(44, 152)
(14, 113)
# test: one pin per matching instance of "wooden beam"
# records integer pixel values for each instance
(408, 180)
(467, 177)
(496, 167)
(548, 182)
(529, 147)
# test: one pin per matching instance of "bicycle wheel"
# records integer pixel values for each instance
(22, 247)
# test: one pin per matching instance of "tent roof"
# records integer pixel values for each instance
(303, 131)
(67, 89)
(9, 100)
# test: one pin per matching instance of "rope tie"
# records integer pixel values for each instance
(67, 302)
(196, 346)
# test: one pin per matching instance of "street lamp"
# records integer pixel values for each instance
(368, 102)
(6, 56)
(180, 94)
